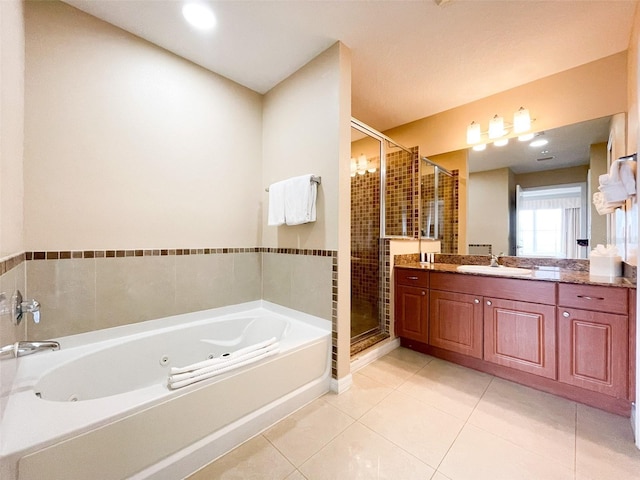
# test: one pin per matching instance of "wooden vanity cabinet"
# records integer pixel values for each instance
(508, 322)
(412, 304)
(520, 335)
(593, 340)
(455, 322)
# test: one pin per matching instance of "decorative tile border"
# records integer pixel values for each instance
(11, 262)
(75, 254)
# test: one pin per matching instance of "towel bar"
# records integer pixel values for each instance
(314, 178)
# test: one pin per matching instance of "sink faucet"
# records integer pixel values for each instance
(495, 259)
(20, 349)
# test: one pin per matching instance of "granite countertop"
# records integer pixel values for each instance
(544, 273)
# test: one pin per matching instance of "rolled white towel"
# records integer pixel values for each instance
(198, 378)
(602, 206)
(217, 360)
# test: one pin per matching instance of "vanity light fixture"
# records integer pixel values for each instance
(480, 147)
(361, 166)
(199, 15)
(498, 128)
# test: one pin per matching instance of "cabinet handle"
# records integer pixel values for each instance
(424, 293)
(489, 302)
(476, 301)
(565, 314)
(412, 278)
(587, 297)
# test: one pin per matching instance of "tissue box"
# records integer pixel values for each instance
(600, 266)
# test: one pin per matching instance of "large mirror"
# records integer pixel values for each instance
(530, 200)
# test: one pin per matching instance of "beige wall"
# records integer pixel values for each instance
(301, 133)
(11, 127)
(590, 91)
(558, 176)
(489, 212)
(128, 146)
(632, 223)
(11, 158)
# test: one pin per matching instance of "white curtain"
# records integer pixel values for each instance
(570, 232)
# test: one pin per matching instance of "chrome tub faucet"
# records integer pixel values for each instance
(20, 349)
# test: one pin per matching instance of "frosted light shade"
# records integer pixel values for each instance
(353, 167)
(362, 164)
(501, 143)
(473, 133)
(521, 120)
(480, 148)
(496, 127)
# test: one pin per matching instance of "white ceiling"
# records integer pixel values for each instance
(410, 59)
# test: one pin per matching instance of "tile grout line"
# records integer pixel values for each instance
(465, 423)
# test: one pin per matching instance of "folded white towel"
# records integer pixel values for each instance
(276, 203)
(231, 356)
(627, 172)
(613, 192)
(602, 206)
(300, 200)
(223, 366)
(202, 375)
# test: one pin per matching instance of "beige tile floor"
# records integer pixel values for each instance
(411, 416)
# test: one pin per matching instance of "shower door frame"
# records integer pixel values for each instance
(382, 329)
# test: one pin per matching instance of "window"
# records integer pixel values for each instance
(550, 220)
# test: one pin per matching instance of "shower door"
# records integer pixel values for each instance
(365, 236)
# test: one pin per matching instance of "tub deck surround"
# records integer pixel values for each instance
(105, 386)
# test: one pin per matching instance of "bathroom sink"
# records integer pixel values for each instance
(486, 269)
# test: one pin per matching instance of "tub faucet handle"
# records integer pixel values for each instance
(18, 307)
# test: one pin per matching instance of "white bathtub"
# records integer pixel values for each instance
(100, 407)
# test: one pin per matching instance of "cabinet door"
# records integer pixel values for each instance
(412, 308)
(455, 322)
(520, 335)
(593, 350)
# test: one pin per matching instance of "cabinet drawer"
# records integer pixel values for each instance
(412, 277)
(591, 297)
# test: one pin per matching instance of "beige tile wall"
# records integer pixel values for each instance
(84, 294)
(301, 282)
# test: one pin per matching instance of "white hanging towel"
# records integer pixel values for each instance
(300, 200)
(276, 203)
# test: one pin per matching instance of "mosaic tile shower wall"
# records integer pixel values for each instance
(365, 268)
(402, 194)
(369, 293)
(447, 205)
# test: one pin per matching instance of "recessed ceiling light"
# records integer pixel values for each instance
(526, 137)
(199, 15)
(539, 143)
